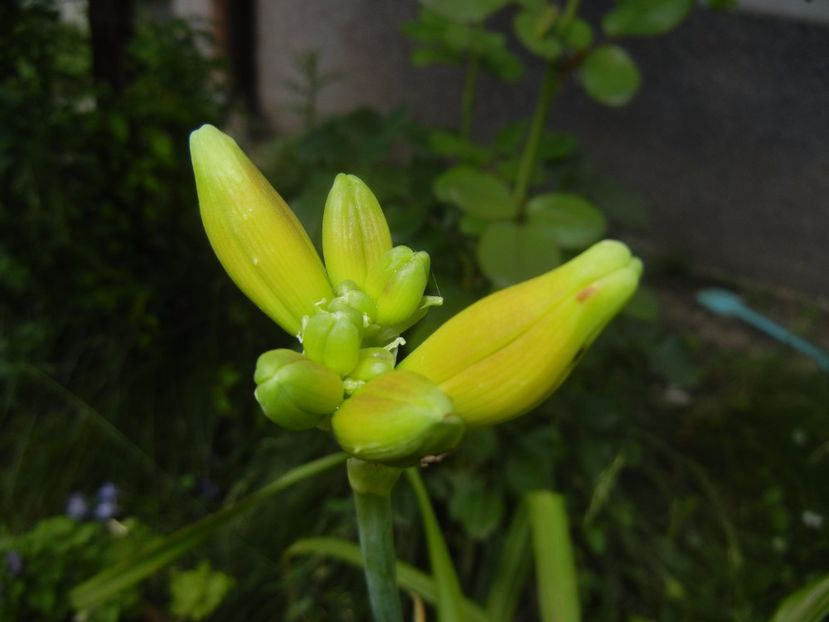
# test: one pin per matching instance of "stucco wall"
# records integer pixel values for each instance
(728, 140)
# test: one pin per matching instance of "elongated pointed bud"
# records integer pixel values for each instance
(354, 231)
(333, 339)
(396, 282)
(503, 355)
(397, 419)
(257, 238)
(295, 392)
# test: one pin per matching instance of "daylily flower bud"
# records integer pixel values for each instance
(295, 392)
(397, 419)
(372, 363)
(350, 297)
(354, 231)
(503, 355)
(333, 339)
(257, 238)
(396, 281)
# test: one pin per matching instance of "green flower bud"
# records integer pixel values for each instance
(257, 238)
(295, 392)
(350, 297)
(502, 356)
(370, 478)
(354, 231)
(397, 419)
(333, 338)
(396, 282)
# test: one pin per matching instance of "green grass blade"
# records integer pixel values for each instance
(558, 597)
(449, 595)
(512, 570)
(153, 558)
(408, 577)
(808, 604)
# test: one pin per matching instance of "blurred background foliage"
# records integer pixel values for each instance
(693, 456)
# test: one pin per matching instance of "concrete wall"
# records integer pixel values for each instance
(728, 140)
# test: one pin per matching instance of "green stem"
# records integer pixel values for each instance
(374, 520)
(468, 102)
(539, 121)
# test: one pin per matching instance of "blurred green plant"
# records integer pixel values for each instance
(525, 198)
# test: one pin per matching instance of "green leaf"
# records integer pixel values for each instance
(408, 577)
(472, 226)
(511, 570)
(450, 598)
(533, 27)
(196, 593)
(574, 222)
(808, 604)
(509, 252)
(150, 560)
(644, 18)
(555, 571)
(477, 504)
(465, 11)
(476, 193)
(610, 76)
(425, 56)
(578, 35)
(450, 145)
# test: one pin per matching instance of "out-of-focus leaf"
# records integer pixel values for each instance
(472, 226)
(465, 11)
(450, 145)
(555, 570)
(645, 17)
(574, 222)
(509, 252)
(808, 604)
(610, 76)
(196, 593)
(408, 577)
(534, 28)
(450, 597)
(476, 193)
(512, 569)
(577, 35)
(556, 146)
(476, 504)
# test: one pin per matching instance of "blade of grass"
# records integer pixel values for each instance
(449, 594)
(558, 597)
(153, 558)
(512, 569)
(408, 577)
(808, 604)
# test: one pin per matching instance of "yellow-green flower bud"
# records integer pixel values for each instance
(354, 231)
(257, 238)
(295, 392)
(396, 282)
(503, 355)
(397, 419)
(333, 339)
(350, 297)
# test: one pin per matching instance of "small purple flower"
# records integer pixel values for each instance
(108, 493)
(106, 510)
(76, 506)
(14, 562)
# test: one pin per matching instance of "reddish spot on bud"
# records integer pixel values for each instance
(586, 293)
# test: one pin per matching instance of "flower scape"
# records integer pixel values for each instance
(493, 361)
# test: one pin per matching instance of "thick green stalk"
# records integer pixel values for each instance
(374, 520)
(372, 485)
(468, 102)
(539, 121)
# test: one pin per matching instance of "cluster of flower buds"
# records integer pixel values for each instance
(494, 361)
